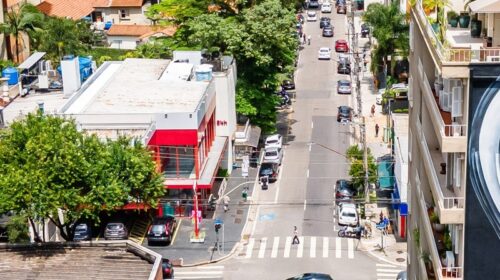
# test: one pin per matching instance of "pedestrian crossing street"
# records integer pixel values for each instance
(387, 271)
(213, 272)
(309, 247)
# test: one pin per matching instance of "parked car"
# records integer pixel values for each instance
(324, 53)
(311, 276)
(344, 114)
(324, 21)
(341, 46)
(380, 96)
(269, 169)
(273, 155)
(82, 232)
(311, 16)
(115, 230)
(344, 68)
(365, 30)
(167, 269)
(343, 87)
(344, 190)
(326, 7)
(402, 275)
(341, 9)
(339, 2)
(344, 59)
(313, 4)
(162, 230)
(328, 31)
(348, 215)
(288, 84)
(274, 141)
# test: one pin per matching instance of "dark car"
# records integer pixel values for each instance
(341, 9)
(115, 230)
(269, 169)
(365, 30)
(313, 4)
(344, 68)
(82, 232)
(339, 2)
(324, 21)
(288, 84)
(344, 189)
(167, 269)
(341, 46)
(344, 114)
(161, 230)
(328, 31)
(312, 276)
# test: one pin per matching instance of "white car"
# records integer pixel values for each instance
(311, 16)
(326, 7)
(273, 155)
(348, 215)
(274, 141)
(324, 53)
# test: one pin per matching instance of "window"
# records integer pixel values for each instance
(123, 13)
(457, 172)
(456, 102)
(412, 46)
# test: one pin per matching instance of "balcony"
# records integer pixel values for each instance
(442, 268)
(460, 49)
(449, 205)
(452, 136)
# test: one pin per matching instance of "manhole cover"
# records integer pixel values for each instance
(400, 252)
(400, 259)
(239, 212)
(237, 221)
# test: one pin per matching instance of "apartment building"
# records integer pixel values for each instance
(453, 187)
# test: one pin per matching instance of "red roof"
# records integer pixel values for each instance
(74, 9)
(121, 3)
(137, 30)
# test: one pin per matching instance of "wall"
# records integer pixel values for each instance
(127, 42)
(135, 16)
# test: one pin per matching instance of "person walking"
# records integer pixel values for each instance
(373, 111)
(376, 130)
(309, 39)
(304, 38)
(226, 200)
(295, 236)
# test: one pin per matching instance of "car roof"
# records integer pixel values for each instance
(341, 41)
(344, 82)
(325, 18)
(311, 13)
(344, 107)
(273, 137)
(324, 48)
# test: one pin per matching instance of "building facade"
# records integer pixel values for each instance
(448, 73)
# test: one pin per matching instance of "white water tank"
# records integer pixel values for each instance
(203, 72)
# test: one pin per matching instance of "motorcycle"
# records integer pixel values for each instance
(348, 231)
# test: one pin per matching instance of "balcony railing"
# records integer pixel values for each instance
(454, 55)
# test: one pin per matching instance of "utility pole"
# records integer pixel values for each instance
(357, 69)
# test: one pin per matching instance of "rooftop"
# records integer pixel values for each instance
(74, 9)
(23, 105)
(139, 30)
(133, 86)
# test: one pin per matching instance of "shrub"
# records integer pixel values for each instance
(17, 229)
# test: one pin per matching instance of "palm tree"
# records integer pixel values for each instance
(21, 19)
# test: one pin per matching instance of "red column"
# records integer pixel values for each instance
(196, 162)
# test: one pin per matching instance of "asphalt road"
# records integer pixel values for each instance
(304, 194)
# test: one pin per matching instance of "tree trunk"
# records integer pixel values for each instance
(17, 47)
(62, 230)
(37, 237)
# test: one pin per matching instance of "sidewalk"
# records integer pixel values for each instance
(185, 253)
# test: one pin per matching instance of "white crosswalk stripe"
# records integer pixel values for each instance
(387, 271)
(203, 272)
(308, 247)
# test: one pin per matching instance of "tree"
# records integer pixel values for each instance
(23, 19)
(61, 36)
(49, 167)
(357, 172)
(177, 11)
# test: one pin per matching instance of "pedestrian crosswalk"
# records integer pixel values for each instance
(387, 271)
(308, 247)
(214, 272)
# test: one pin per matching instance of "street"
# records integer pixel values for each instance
(304, 194)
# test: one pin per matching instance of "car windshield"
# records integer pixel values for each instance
(114, 226)
(311, 14)
(349, 214)
(158, 228)
(81, 227)
(271, 154)
(266, 169)
(272, 141)
(344, 110)
(344, 83)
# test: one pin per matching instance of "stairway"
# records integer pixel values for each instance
(139, 230)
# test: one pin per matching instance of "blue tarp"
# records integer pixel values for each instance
(385, 175)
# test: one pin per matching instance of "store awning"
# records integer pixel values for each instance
(485, 6)
(385, 175)
(252, 139)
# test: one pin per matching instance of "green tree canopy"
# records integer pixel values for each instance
(48, 165)
(357, 172)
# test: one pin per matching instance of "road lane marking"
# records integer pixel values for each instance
(310, 147)
(255, 221)
(389, 270)
(350, 248)
(307, 173)
(338, 252)
(300, 249)
(387, 274)
(312, 124)
(195, 273)
(177, 227)
(262, 249)
(385, 265)
(325, 247)
(288, 244)
(279, 180)
(276, 243)
(313, 247)
(250, 244)
(305, 204)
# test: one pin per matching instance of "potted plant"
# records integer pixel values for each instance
(435, 222)
(452, 18)
(434, 24)
(475, 27)
(426, 258)
(464, 18)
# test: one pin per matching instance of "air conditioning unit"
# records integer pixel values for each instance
(492, 58)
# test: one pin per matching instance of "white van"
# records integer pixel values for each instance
(348, 216)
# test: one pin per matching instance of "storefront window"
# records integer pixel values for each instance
(177, 161)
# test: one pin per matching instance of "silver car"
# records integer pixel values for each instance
(273, 155)
(343, 87)
(115, 230)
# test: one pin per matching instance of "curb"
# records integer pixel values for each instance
(384, 259)
(214, 261)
